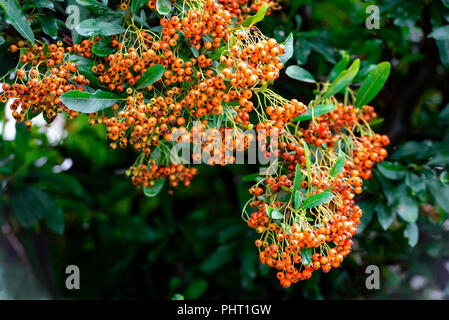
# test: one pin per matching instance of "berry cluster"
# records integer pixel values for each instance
(201, 81)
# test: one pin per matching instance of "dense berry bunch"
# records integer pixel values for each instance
(203, 81)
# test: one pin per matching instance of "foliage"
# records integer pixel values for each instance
(125, 241)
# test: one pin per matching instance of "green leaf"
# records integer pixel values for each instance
(196, 289)
(178, 296)
(97, 7)
(86, 102)
(59, 182)
(2, 40)
(309, 170)
(288, 43)
(46, 4)
(102, 48)
(163, 7)
(440, 192)
(306, 255)
(343, 80)
(440, 33)
(256, 18)
(368, 212)
(297, 200)
(315, 111)
(384, 215)
(90, 27)
(30, 204)
(251, 177)
(317, 199)
(339, 165)
(392, 170)
(298, 73)
(15, 17)
(154, 191)
(136, 5)
(412, 233)
(406, 207)
(276, 215)
(297, 180)
(49, 26)
(150, 76)
(339, 67)
(415, 182)
(218, 258)
(54, 220)
(372, 84)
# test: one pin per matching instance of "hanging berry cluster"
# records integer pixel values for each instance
(205, 74)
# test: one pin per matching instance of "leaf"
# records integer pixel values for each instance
(97, 7)
(14, 16)
(251, 177)
(86, 102)
(276, 215)
(163, 7)
(297, 200)
(415, 182)
(339, 165)
(406, 207)
(102, 48)
(440, 33)
(297, 180)
(2, 40)
(59, 182)
(288, 43)
(49, 26)
(317, 199)
(218, 258)
(339, 67)
(54, 220)
(46, 4)
(309, 170)
(256, 18)
(154, 191)
(343, 80)
(384, 215)
(178, 296)
(30, 204)
(196, 289)
(298, 73)
(392, 170)
(306, 255)
(368, 212)
(372, 84)
(440, 192)
(136, 5)
(315, 111)
(90, 27)
(412, 233)
(150, 76)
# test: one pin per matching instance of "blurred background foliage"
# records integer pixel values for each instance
(65, 199)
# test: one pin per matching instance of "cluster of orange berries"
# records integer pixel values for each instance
(298, 241)
(176, 174)
(38, 88)
(213, 70)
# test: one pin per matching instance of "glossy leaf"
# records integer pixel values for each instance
(343, 80)
(150, 76)
(154, 191)
(90, 27)
(317, 199)
(372, 84)
(315, 111)
(300, 74)
(163, 7)
(86, 102)
(15, 17)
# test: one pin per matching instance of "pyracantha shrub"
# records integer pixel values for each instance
(203, 72)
